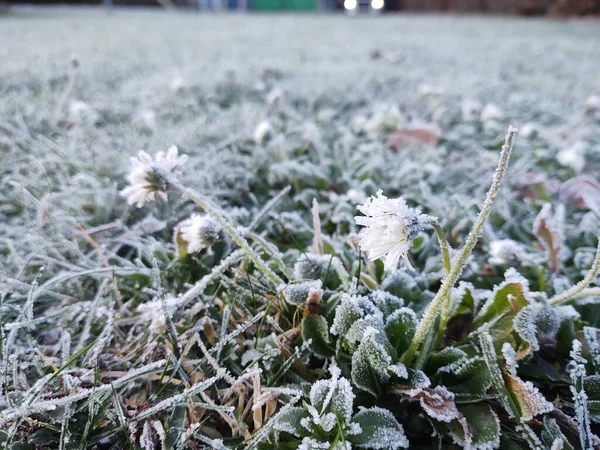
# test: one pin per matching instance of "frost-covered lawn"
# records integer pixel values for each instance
(249, 312)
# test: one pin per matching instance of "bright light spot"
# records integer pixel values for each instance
(351, 4)
(377, 4)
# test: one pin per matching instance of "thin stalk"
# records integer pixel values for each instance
(434, 307)
(570, 293)
(445, 315)
(444, 247)
(207, 206)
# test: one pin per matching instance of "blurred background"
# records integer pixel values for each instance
(556, 8)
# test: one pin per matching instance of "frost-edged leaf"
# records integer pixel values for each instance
(297, 293)
(468, 378)
(551, 434)
(525, 324)
(386, 302)
(528, 398)
(380, 430)
(316, 330)
(290, 422)
(371, 363)
(509, 296)
(437, 402)
(350, 309)
(592, 336)
(334, 395)
(547, 323)
(478, 428)
(444, 357)
(402, 285)
(356, 332)
(400, 329)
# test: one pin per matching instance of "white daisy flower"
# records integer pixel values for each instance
(592, 103)
(200, 231)
(263, 132)
(491, 112)
(390, 228)
(573, 157)
(505, 251)
(144, 181)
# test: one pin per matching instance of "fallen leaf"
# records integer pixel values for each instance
(547, 228)
(416, 135)
(583, 191)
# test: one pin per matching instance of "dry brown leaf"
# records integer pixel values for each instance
(530, 400)
(415, 135)
(547, 228)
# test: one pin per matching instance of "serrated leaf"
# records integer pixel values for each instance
(380, 430)
(315, 328)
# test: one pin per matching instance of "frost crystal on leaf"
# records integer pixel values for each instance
(200, 231)
(390, 228)
(524, 324)
(144, 181)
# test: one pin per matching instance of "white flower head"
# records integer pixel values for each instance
(592, 103)
(390, 228)
(491, 112)
(573, 157)
(200, 231)
(505, 251)
(144, 180)
(263, 132)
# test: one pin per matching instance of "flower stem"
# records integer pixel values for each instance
(579, 287)
(207, 206)
(434, 307)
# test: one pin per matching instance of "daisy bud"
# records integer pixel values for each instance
(505, 252)
(573, 157)
(263, 132)
(145, 181)
(390, 228)
(200, 231)
(491, 112)
(592, 104)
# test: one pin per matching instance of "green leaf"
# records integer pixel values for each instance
(289, 422)
(315, 328)
(552, 432)
(175, 425)
(400, 329)
(509, 297)
(469, 378)
(380, 430)
(372, 364)
(482, 428)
